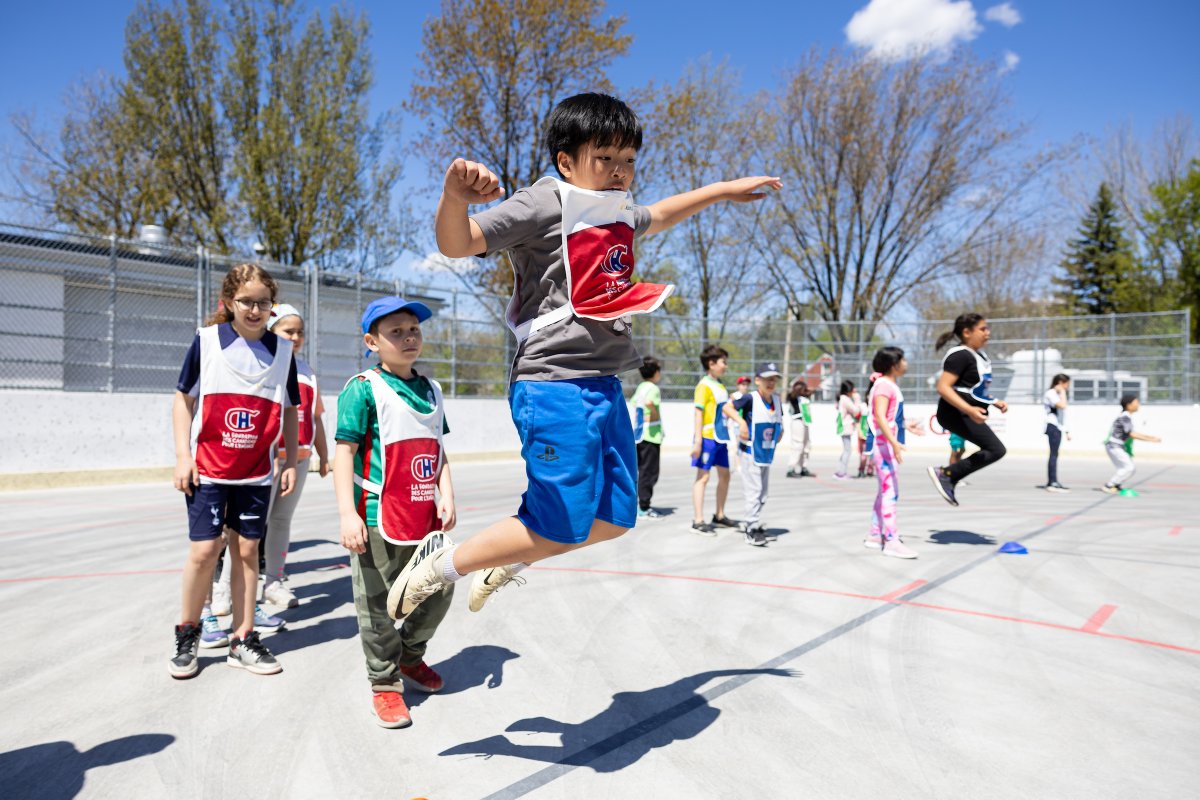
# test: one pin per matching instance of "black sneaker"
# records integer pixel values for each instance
(755, 538)
(724, 522)
(1056, 487)
(703, 529)
(251, 654)
(187, 642)
(794, 474)
(807, 473)
(943, 484)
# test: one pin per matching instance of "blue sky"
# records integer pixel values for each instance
(1080, 68)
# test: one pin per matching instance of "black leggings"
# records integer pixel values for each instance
(991, 449)
(1055, 437)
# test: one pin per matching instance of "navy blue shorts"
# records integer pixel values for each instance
(212, 506)
(580, 457)
(712, 454)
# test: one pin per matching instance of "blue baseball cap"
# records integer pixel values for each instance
(390, 305)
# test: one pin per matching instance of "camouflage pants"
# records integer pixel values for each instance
(386, 647)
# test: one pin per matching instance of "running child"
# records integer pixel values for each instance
(709, 440)
(570, 241)
(759, 416)
(237, 390)
(389, 461)
(848, 412)
(1054, 403)
(1119, 444)
(886, 404)
(798, 399)
(648, 433)
(964, 390)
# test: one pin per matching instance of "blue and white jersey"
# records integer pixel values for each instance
(974, 371)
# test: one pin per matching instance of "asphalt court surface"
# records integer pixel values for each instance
(662, 664)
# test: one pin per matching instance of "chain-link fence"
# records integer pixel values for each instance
(83, 313)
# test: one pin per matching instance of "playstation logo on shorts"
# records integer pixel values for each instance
(548, 454)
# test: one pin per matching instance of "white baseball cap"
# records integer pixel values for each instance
(281, 310)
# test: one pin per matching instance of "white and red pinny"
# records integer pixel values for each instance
(238, 420)
(410, 463)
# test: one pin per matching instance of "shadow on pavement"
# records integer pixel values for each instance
(478, 665)
(959, 537)
(634, 724)
(55, 770)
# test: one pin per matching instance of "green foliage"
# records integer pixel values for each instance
(1173, 224)
(1099, 265)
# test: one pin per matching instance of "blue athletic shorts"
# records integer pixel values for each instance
(580, 457)
(712, 454)
(957, 443)
(212, 506)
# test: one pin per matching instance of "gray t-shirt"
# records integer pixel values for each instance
(529, 226)
(1121, 428)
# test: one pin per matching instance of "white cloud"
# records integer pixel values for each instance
(436, 262)
(899, 29)
(1011, 60)
(1004, 13)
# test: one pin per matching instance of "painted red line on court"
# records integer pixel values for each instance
(903, 590)
(1057, 518)
(948, 609)
(1097, 620)
(88, 575)
(1178, 529)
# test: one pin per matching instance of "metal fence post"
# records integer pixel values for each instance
(1112, 344)
(199, 285)
(454, 343)
(1185, 339)
(112, 312)
(314, 306)
(358, 309)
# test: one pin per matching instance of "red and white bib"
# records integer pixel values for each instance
(305, 414)
(237, 424)
(597, 236)
(410, 463)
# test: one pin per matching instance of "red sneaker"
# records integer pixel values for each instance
(422, 677)
(390, 709)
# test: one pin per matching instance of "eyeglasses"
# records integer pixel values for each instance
(250, 305)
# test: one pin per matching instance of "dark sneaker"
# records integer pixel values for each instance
(252, 655)
(421, 577)
(794, 474)
(755, 538)
(807, 473)
(422, 677)
(943, 484)
(724, 522)
(185, 664)
(1056, 487)
(390, 709)
(703, 529)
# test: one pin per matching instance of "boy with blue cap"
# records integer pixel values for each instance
(388, 465)
(570, 242)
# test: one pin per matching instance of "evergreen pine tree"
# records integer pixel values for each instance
(1097, 261)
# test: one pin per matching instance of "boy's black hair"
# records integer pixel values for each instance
(650, 365)
(374, 329)
(886, 358)
(1127, 400)
(712, 353)
(591, 118)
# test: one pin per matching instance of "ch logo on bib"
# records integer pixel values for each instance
(240, 419)
(613, 262)
(424, 467)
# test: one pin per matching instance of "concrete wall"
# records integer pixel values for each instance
(70, 432)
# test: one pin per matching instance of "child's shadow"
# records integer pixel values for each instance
(959, 537)
(478, 665)
(55, 770)
(634, 724)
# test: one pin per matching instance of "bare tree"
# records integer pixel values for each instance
(894, 175)
(490, 74)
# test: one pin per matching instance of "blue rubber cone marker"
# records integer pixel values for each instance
(1016, 548)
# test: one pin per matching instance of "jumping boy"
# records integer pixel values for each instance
(570, 241)
(389, 459)
(709, 450)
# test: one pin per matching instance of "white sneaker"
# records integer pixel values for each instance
(898, 549)
(421, 576)
(873, 541)
(485, 582)
(277, 593)
(222, 602)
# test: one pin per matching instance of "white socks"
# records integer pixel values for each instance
(449, 573)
